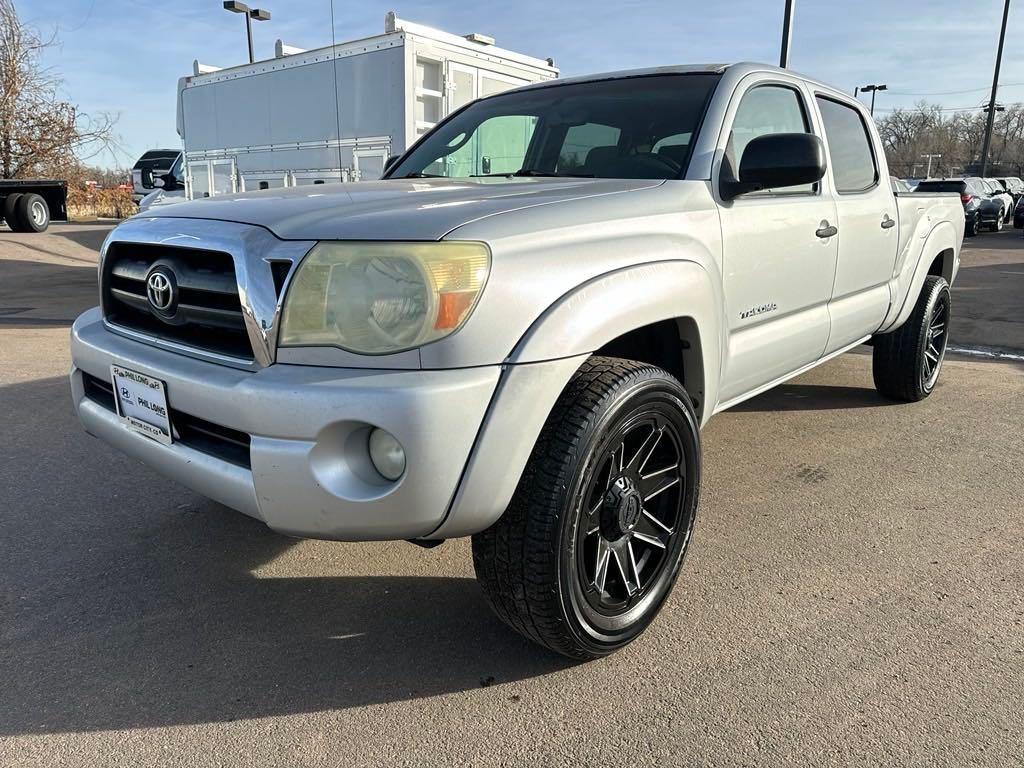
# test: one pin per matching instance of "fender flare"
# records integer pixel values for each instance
(549, 354)
(605, 307)
(941, 238)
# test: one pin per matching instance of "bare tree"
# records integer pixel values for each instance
(40, 134)
(907, 134)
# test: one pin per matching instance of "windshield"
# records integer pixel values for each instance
(632, 128)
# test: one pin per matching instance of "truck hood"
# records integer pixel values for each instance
(402, 209)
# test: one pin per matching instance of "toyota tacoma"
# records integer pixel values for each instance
(518, 334)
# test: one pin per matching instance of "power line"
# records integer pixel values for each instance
(951, 93)
(944, 109)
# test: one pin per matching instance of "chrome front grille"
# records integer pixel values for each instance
(206, 313)
(228, 282)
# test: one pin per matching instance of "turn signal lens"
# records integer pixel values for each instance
(379, 298)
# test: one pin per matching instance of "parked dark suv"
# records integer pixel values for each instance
(975, 196)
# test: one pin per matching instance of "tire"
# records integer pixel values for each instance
(33, 213)
(906, 362)
(971, 226)
(10, 212)
(997, 225)
(585, 507)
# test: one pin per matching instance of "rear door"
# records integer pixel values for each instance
(778, 271)
(866, 211)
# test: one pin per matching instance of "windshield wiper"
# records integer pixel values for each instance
(552, 174)
(534, 172)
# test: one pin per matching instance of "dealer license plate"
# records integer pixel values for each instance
(142, 403)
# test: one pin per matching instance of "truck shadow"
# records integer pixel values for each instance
(44, 294)
(88, 236)
(127, 601)
(813, 397)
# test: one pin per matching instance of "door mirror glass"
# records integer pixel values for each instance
(159, 183)
(777, 160)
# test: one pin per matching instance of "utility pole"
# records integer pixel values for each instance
(987, 144)
(928, 173)
(787, 33)
(874, 89)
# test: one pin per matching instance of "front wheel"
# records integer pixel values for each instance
(592, 542)
(906, 362)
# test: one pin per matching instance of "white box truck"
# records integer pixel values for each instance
(334, 113)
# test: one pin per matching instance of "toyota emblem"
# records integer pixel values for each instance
(161, 291)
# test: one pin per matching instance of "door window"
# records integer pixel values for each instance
(849, 147)
(200, 173)
(429, 94)
(764, 110)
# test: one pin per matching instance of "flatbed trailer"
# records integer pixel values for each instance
(29, 205)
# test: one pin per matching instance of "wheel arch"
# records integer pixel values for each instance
(640, 308)
(664, 313)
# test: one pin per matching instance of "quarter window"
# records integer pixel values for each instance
(765, 110)
(849, 147)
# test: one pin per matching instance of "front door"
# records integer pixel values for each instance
(778, 262)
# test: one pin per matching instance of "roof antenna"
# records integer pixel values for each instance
(787, 33)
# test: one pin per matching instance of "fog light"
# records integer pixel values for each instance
(387, 454)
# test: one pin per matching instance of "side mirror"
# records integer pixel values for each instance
(159, 183)
(168, 181)
(390, 162)
(777, 160)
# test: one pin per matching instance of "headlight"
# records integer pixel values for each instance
(378, 298)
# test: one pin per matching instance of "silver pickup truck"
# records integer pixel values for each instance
(518, 335)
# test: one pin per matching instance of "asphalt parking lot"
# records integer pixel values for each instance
(854, 594)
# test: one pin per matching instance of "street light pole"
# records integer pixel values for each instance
(874, 89)
(787, 33)
(250, 13)
(928, 173)
(987, 144)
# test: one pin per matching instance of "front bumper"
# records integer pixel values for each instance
(309, 473)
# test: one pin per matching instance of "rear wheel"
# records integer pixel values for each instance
(997, 225)
(32, 212)
(906, 362)
(971, 226)
(10, 212)
(589, 548)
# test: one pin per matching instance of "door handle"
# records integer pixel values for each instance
(888, 223)
(825, 230)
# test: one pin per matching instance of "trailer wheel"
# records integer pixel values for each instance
(9, 212)
(32, 212)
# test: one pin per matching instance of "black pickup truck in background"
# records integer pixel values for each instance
(29, 205)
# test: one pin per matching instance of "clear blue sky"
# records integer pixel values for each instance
(125, 56)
